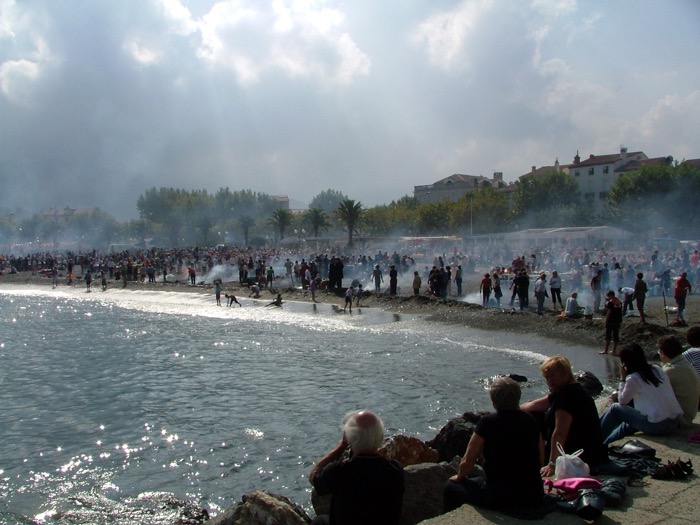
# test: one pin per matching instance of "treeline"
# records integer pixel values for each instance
(653, 198)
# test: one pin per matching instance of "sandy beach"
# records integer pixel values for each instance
(654, 501)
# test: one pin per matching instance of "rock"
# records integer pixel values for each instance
(590, 383)
(453, 438)
(423, 497)
(262, 508)
(408, 450)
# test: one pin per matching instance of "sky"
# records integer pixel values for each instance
(101, 100)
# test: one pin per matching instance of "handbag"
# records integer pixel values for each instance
(570, 465)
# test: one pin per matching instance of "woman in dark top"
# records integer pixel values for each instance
(571, 416)
(512, 447)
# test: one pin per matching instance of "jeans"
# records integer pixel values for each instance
(469, 490)
(623, 420)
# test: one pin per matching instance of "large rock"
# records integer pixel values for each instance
(590, 383)
(423, 496)
(262, 508)
(453, 438)
(408, 450)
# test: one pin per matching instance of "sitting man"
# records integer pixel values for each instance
(513, 451)
(572, 307)
(366, 488)
(684, 379)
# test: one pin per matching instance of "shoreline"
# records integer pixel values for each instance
(450, 311)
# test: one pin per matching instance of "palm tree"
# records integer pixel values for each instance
(281, 219)
(317, 219)
(350, 213)
(246, 223)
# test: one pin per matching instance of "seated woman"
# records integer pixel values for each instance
(656, 410)
(512, 447)
(571, 416)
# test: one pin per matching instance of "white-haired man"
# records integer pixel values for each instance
(366, 488)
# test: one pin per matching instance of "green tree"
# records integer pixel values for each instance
(317, 219)
(246, 223)
(483, 210)
(350, 214)
(166, 207)
(327, 200)
(433, 218)
(543, 200)
(281, 219)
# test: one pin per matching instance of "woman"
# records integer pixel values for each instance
(570, 416)
(656, 410)
(497, 293)
(512, 447)
(555, 289)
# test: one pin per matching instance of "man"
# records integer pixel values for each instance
(613, 321)
(393, 279)
(513, 450)
(640, 295)
(348, 298)
(627, 298)
(684, 379)
(541, 292)
(596, 287)
(680, 291)
(378, 278)
(692, 354)
(366, 488)
(572, 307)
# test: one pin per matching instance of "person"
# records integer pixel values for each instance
(522, 283)
(54, 275)
(640, 295)
(416, 283)
(378, 278)
(497, 293)
(570, 416)
(595, 286)
(692, 354)
(348, 298)
(217, 291)
(358, 295)
(313, 286)
(613, 322)
(103, 279)
(684, 379)
(192, 273)
(540, 290)
(555, 289)
(458, 280)
(277, 302)
(680, 292)
(656, 410)
(254, 290)
(232, 299)
(269, 278)
(513, 451)
(288, 265)
(366, 488)
(393, 279)
(485, 289)
(627, 298)
(571, 309)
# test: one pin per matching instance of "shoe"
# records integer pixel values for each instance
(590, 504)
(676, 470)
(613, 491)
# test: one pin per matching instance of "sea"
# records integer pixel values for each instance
(116, 405)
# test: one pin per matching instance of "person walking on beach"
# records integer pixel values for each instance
(192, 273)
(269, 278)
(378, 278)
(348, 298)
(540, 289)
(366, 488)
(458, 280)
(88, 280)
(613, 321)
(640, 295)
(393, 279)
(497, 293)
(217, 291)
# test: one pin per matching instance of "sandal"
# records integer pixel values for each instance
(676, 470)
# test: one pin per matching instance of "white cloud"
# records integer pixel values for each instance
(17, 79)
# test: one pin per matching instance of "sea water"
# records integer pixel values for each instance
(107, 398)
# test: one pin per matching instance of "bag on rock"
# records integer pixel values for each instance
(570, 465)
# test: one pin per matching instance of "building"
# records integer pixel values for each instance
(455, 186)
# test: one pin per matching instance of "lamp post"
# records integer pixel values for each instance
(471, 215)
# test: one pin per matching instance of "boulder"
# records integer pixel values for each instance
(262, 508)
(453, 438)
(424, 483)
(408, 450)
(590, 383)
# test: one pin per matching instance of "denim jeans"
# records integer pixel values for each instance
(623, 420)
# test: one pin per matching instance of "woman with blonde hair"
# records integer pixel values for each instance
(570, 416)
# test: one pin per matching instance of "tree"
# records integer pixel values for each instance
(433, 217)
(317, 219)
(541, 200)
(167, 207)
(483, 210)
(281, 219)
(350, 214)
(246, 223)
(327, 200)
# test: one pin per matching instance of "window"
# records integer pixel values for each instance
(590, 171)
(576, 174)
(606, 169)
(589, 195)
(603, 195)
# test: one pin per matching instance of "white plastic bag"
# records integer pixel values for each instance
(570, 465)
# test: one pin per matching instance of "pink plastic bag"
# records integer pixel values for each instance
(571, 485)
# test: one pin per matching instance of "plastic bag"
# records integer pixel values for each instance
(570, 465)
